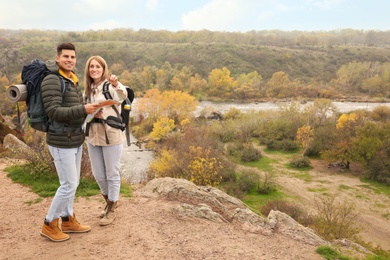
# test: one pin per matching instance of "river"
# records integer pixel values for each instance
(135, 160)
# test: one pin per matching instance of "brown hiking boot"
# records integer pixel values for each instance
(71, 225)
(53, 232)
(109, 214)
(103, 212)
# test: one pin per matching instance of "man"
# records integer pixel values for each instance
(66, 111)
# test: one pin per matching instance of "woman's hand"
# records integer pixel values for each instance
(113, 80)
(99, 113)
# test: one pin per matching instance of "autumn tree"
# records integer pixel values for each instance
(248, 85)
(370, 78)
(125, 78)
(343, 148)
(163, 76)
(181, 79)
(175, 105)
(197, 85)
(148, 77)
(117, 68)
(161, 128)
(319, 112)
(221, 83)
(304, 137)
(277, 86)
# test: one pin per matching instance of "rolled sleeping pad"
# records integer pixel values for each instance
(17, 93)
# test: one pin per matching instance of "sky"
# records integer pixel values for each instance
(195, 15)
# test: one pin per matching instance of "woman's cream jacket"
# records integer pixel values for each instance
(97, 131)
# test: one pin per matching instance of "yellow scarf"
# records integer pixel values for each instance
(72, 77)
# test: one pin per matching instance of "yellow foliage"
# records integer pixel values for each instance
(203, 169)
(185, 122)
(346, 120)
(221, 81)
(197, 166)
(305, 135)
(161, 128)
(171, 104)
(162, 166)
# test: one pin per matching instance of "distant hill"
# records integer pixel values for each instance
(240, 53)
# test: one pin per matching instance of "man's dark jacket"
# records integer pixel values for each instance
(66, 111)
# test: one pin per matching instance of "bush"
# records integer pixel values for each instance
(232, 189)
(285, 145)
(250, 153)
(266, 185)
(379, 167)
(335, 219)
(248, 180)
(39, 159)
(300, 162)
(234, 149)
(288, 145)
(291, 209)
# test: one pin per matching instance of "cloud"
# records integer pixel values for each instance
(272, 12)
(325, 4)
(151, 5)
(215, 15)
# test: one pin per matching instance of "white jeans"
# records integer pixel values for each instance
(67, 162)
(105, 162)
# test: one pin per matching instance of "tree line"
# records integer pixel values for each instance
(221, 69)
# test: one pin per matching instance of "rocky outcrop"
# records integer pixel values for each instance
(214, 205)
(283, 223)
(15, 147)
(6, 129)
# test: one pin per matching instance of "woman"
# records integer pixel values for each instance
(104, 142)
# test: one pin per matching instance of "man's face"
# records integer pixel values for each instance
(66, 60)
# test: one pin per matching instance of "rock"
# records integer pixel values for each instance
(15, 147)
(187, 192)
(215, 205)
(283, 223)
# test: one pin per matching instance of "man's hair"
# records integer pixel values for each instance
(65, 46)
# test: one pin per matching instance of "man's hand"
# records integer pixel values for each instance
(91, 108)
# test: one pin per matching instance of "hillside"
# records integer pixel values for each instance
(299, 62)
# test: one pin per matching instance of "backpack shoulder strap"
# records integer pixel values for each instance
(107, 95)
(106, 91)
(62, 82)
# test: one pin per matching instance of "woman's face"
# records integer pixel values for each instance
(95, 71)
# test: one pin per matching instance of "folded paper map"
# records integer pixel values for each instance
(108, 102)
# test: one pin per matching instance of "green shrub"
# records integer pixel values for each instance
(250, 153)
(330, 253)
(335, 219)
(300, 162)
(234, 150)
(266, 185)
(288, 145)
(379, 168)
(248, 180)
(285, 145)
(231, 188)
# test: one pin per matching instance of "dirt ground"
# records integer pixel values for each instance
(373, 208)
(148, 229)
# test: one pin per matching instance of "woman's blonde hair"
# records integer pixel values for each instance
(87, 78)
